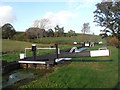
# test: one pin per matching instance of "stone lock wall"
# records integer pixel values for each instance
(8, 67)
(35, 66)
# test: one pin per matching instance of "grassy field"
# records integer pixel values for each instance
(14, 48)
(84, 72)
(11, 46)
(69, 40)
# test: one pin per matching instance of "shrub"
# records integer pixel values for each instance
(115, 42)
(18, 37)
(27, 40)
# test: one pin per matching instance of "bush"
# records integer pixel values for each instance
(27, 40)
(22, 37)
(115, 42)
(18, 37)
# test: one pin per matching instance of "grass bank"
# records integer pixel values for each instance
(84, 72)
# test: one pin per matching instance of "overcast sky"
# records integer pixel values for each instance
(70, 14)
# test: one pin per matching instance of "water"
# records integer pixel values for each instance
(81, 49)
(15, 76)
(76, 50)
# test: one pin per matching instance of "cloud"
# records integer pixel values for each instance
(78, 4)
(34, 0)
(6, 15)
(60, 18)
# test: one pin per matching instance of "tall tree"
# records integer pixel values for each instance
(34, 31)
(71, 33)
(42, 24)
(8, 31)
(86, 28)
(59, 31)
(50, 33)
(107, 15)
(56, 28)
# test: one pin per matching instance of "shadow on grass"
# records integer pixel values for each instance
(117, 86)
(87, 60)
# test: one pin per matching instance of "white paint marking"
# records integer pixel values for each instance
(40, 62)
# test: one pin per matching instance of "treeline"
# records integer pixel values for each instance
(8, 32)
(107, 15)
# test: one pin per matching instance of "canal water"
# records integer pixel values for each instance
(81, 49)
(67, 59)
(21, 74)
(15, 76)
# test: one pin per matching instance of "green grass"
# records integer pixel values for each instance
(69, 40)
(14, 48)
(97, 72)
(10, 46)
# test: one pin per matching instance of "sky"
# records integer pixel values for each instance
(70, 14)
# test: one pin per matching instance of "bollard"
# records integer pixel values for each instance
(34, 51)
(84, 44)
(56, 45)
(89, 44)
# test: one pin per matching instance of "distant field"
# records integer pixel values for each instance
(69, 40)
(18, 46)
(15, 46)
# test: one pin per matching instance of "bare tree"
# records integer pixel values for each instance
(39, 33)
(86, 28)
(42, 24)
(36, 23)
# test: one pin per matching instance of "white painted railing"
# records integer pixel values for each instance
(74, 48)
(42, 49)
(60, 59)
(38, 62)
(22, 56)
